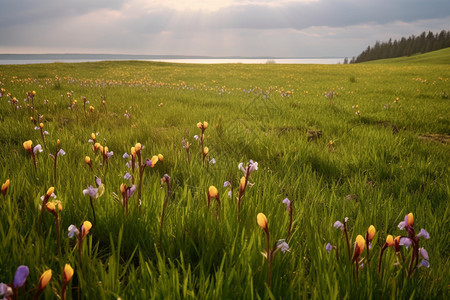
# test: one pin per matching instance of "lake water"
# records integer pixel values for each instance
(45, 59)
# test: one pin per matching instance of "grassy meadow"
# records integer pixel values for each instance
(374, 152)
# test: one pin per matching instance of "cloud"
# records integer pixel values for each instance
(215, 27)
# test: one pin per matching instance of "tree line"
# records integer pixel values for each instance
(425, 42)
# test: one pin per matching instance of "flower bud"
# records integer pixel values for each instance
(44, 279)
(410, 219)
(28, 145)
(160, 157)
(390, 240)
(262, 221)
(68, 273)
(212, 192)
(5, 187)
(371, 232)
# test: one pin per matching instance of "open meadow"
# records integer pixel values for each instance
(367, 142)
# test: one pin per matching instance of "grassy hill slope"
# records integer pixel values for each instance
(434, 58)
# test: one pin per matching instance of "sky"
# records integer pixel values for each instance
(250, 28)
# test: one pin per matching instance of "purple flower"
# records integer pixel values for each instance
(37, 148)
(370, 246)
(283, 246)
(424, 263)
(402, 225)
(252, 166)
(148, 162)
(127, 176)
(61, 152)
(287, 202)
(73, 230)
(328, 247)
(423, 233)
(226, 183)
(229, 194)
(196, 137)
(345, 219)
(91, 191)
(125, 155)
(424, 253)
(131, 190)
(21, 276)
(52, 195)
(5, 291)
(109, 154)
(339, 225)
(404, 241)
(212, 161)
(98, 181)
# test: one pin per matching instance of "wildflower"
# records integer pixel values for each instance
(43, 281)
(212, 161)
(88, 161)
(94, 193)
(165, 179)
(289, 208)
(424, 263)
(160, 157)
(66, 277)
(20, 277)
(91, 108)
(54, 208)
(262, 221)
(92, 139)
(127, 176)
(248, 170)
(423, 233)
(5, 187)
(389, 242)
(196, 137)
(73, 230)
(126, 192)
(214, 193)
(408, 221)
(6, 291)
(282, 245)
(28, 146)
(328, 247)
(202, 126)
(360, 244)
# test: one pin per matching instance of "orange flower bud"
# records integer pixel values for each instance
(371, 232)
(5, 187)
(160, 157)
(41, 125)
(28, 145)
(390, 240)
(262, 221)
(410, 219)
(44, 279)
(212, 192)
(68, 273)
(50, 191)
(138, 147)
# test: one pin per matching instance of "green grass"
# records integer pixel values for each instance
(392, 161)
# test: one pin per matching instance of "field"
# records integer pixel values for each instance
(374, 151)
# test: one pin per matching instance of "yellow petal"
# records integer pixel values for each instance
(27, 145)
(410, 219)
(262, 221)
(371, 231)
(160, 157)
(45, 278)
(50, 191)
(68, 273)
(213, 192)
(390, 240)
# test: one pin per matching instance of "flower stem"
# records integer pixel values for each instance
(93, 210)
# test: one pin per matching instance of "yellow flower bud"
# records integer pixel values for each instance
(87, 160)
(360, 244)
(50, 191)
(262, 221)
(85, 228)
(68, 273)
(133, 151)
(205, 150)
(390, 240)
(199, 125)
(28, 145)
(410, 219)
(91, 108)
(138, 147)
(242, 184)
(5, 187)
(58, 142)
(93, 136)
(34, 93)
(41, 125)
(123, 187)
(205, 124)
(213, 192)
(371, 232)
(160, 157)
(44, 279)
(154, 160)
(97, 146)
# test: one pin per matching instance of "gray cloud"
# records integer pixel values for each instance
(321, 28)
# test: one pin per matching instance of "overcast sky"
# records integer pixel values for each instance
(284, 28)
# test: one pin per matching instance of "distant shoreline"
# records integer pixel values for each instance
(15, 59)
